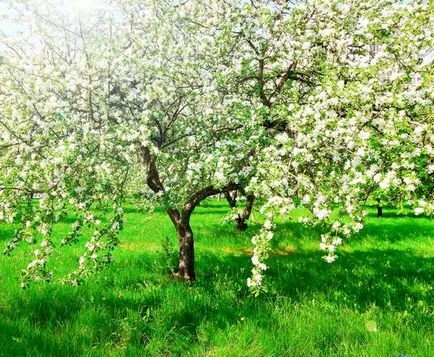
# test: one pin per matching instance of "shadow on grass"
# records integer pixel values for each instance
(23, 345)
(385, 230)
(212, 210)
(6, 234)
(395, 214)
(134, 297)
(387, 278)
(393, 232)
(390, 279)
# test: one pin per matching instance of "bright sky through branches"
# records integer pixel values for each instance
(81, 5)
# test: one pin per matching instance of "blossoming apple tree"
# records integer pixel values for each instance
(345, 93)
(91, 101)
(314, 103)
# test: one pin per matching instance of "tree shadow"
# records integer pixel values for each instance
(387, 230)
(20, 344)
(390, 279)
(393, 213)
(387, 278)
(6, 233)
(210, 211)
(393, 233)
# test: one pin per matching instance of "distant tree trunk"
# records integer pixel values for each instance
(379, 209)
(243, 217)
(241, 223)
(231, 197)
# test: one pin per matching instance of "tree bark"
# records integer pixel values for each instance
(181, 221)
(243, 217)
(379, 209)
(231, 197)
(186, 250)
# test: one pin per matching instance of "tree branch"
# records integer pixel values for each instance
(200, 195)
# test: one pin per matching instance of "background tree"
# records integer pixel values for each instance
(340, 117)
(240, 215)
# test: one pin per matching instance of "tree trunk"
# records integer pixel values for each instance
(181, 220)
(241, 220)
(241, 223)
(186, 250)
(231, 197)
(379, 209)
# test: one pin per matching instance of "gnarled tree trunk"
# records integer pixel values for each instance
(379, 209)
(243, 217)
(181, 221)
(186, 250)
(181, 218)
(231, 197)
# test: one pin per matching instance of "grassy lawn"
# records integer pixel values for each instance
(376, 300)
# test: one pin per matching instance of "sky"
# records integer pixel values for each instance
(8, 28)
(5, 26)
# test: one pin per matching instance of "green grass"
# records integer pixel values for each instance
(376, 300)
